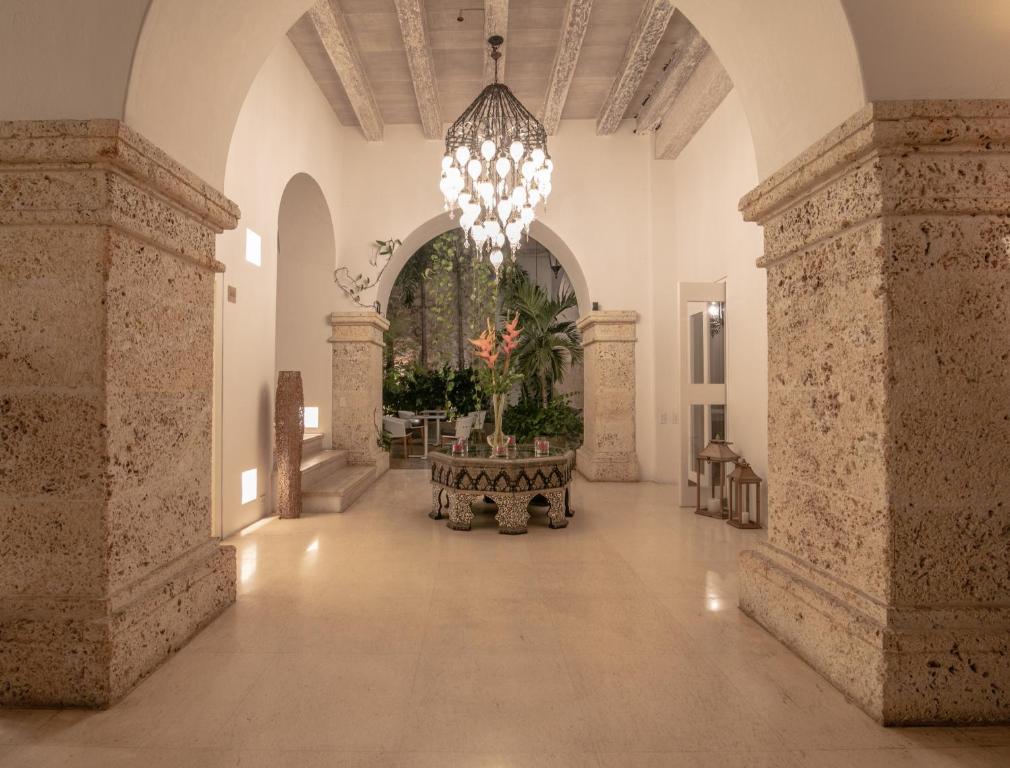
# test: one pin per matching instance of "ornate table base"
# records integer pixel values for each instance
(459, 481)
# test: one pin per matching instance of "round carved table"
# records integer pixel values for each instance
(511, 482)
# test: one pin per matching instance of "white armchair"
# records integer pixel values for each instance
(397, 429)
(464, 424)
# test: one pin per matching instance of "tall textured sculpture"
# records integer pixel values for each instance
(289, 427)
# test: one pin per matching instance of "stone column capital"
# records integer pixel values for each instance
(358, 325)
(102, 172)
(608, 325)
(890, 158)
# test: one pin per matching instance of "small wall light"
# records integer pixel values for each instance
(250, 486)
(312, 417)
(253, 248)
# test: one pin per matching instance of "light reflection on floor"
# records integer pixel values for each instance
(378, 637)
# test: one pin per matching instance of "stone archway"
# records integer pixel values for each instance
(609, 449)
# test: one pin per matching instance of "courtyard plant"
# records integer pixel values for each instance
(550, 344)
(558, 420)
(413, 388)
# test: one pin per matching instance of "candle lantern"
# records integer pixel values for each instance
(742, 481)
(716, 453)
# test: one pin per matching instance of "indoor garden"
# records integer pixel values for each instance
(443, 299)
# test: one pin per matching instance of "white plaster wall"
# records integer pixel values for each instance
(66, 58)
(285, 127)
(699, 236)
(938, 49)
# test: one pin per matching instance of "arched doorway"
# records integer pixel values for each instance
(305, 250)
(435, 226)
(441, 296)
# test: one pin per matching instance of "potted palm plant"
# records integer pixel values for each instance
(549, 344)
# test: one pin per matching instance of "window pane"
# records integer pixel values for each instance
(717, 421)
(717, 428)
(697, 436)
(717, 342)
(696, 338)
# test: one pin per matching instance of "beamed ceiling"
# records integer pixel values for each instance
(394, 62)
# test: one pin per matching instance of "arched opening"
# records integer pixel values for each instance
(539, 232)
(305, 249)
(442, 298)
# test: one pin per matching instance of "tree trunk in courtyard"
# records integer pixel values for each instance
(543, 388)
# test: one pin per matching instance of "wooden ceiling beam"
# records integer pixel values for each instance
(694, 105)
(496, 22)
(686, 59)
(329, 23)
(645, 38)
(417, 42)
(573, 30)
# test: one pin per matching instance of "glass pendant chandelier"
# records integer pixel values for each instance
(496, 169)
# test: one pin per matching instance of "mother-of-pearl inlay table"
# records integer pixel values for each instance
(511, 482)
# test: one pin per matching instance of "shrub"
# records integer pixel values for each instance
(417, 389)
(558, 420)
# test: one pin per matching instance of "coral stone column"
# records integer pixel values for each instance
(357, 343)
(608, 445)
(107, 273)
(887, 565)
(289, 432)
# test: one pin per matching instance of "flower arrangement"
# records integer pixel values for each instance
(496, 376)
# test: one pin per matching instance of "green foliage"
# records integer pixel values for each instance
(462, 390)
(558, 421)
(441, 299)
(549, 345)
(418, 389)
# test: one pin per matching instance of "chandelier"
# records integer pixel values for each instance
(496, 169)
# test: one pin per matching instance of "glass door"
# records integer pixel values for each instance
(702, 318)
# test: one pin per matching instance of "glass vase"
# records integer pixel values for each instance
(496, 439)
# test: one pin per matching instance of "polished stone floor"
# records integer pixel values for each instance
(378, 637)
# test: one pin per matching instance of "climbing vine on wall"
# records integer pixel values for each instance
(354, 285)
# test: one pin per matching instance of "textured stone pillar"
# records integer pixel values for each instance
(106, 368)
(608, 445)
(887, 565)
(289, 432)
(357, 385)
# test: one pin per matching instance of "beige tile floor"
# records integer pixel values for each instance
(378, 637)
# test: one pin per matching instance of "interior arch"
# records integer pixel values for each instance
(767, 51)
(444, 223)
(305, 247)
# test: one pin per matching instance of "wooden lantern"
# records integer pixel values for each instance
(741, 481)
(716, 452)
